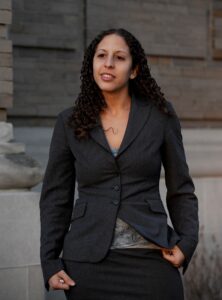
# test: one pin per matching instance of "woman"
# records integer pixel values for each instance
(116, 241)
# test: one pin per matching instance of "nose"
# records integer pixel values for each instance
(109, 62)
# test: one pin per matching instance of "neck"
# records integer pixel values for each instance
(117, 102)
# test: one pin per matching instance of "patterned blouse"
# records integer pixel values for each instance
(125, 236)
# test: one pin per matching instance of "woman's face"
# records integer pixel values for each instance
(112, 64)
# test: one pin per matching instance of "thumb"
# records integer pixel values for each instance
(66, 278)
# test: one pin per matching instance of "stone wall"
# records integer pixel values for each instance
(20, 272)
(6, 86)
(182, 39)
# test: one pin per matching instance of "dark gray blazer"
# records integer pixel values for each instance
(126, 185)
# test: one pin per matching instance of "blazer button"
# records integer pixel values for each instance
(116, 202)
(116, 187)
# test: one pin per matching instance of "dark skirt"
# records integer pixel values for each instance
(125, 274)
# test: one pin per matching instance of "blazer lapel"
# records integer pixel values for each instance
(98, 135)
(138, 115)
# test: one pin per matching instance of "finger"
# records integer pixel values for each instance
(167, 251)
(171, 258)
(168, 255)
(59, 284)
(62, 285)
(64, 276)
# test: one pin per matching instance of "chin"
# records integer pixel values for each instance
(105, 88)
(110, 89)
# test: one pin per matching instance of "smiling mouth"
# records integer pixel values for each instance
(107, 77)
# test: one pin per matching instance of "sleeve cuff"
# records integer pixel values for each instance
(188, 248)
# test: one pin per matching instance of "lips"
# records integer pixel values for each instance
(107, 76)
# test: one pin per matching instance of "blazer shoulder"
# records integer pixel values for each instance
(170, 106)
(171, 116)
(66, 113)
(164, 116)
(172, 120)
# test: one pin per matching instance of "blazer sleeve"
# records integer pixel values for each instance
(181, 200)
(56, 201)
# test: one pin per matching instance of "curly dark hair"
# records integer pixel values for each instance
(90, 101)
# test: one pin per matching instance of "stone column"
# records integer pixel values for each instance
(20, 274)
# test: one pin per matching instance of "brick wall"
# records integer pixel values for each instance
(6, 86)
(175, 28)
(181, 43)
(182, 39)
(217, 29)
(47, 50)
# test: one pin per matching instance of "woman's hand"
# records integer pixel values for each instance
(60, 281)
(174, 255)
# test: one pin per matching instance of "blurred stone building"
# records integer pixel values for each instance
(39, 77)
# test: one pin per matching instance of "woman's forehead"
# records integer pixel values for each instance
(113, 42)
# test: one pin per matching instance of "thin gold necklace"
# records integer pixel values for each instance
(115, 131)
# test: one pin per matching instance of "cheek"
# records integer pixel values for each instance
(126, 69)
(126, 73)
(95, 70)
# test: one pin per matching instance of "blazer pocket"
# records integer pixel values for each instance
(156, 206)
(78, 211)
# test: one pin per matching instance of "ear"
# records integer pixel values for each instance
(134, 72)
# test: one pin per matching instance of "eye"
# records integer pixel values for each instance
(120, 58)
(101, 55)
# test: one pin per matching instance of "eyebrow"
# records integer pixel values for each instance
(115, 51)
